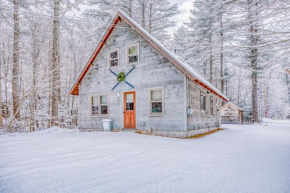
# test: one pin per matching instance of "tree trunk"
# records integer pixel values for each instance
(222, 56)
(210, 60)
(150, 18)
(33, 84)
(288, 87)
(239, 88)
(1, 118)
(15, 70)
(49, 101)
(131, 8)
(253, 30)
(266, 101)
(55, 64)
(143, 15)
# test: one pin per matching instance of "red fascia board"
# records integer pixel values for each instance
(75, 90)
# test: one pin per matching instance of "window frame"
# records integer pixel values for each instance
(150, 102)
(109, 58)
(99, 105)
(203, 95)
(127, 54)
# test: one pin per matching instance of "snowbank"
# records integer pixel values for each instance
(279, 122)
(40, 132)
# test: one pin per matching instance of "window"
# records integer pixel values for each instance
(113, 56)
(156, 104)
(99, 105)
(202, 101)
(211, 105)
(133, 54)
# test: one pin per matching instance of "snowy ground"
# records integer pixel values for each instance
(249, 158)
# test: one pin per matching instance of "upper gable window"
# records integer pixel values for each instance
(133, 54)
(113, 58)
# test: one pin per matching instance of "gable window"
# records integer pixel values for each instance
(133, 54)
(156, 102)
(99, 105)
(202, 101)
(211, 105)
(113, 58)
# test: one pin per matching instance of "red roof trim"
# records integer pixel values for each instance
(75, 88)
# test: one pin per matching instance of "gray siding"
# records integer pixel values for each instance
(201, 119)
(153, 70)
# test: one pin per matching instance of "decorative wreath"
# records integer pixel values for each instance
(121, 76)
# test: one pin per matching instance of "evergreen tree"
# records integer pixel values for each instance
(180, 42)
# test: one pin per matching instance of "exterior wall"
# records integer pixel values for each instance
(152, 71)
(201, 121)
(231, 114)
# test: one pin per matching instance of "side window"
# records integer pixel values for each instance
(113, 58)
(103, 105)
(133, 54)
(156, 102)
(211, 105)
(99, 105)
(95, 105)
(202, 101)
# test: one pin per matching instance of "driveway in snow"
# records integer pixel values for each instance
(249, 158)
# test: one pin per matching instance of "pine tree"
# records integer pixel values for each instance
(201, 28)
(154, 16)
(180, 42)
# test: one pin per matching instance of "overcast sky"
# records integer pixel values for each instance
(184, 6)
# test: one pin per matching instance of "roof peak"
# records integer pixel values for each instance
(162, 49)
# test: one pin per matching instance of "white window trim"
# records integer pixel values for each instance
(127, 54)
(108, 58)
(149, 102)
(202, 94)
(90, 102)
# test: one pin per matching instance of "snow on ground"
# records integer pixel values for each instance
(244, 158)
(275, 122)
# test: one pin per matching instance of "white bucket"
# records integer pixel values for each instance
(106, 124)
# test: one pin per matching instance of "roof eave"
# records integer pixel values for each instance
(75, 88)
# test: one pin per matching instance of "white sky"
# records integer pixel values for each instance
(184, 6)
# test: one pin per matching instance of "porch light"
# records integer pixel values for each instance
(118, 94)
(189, 111)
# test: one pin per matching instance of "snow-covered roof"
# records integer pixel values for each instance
(175, 59)
(230, 103)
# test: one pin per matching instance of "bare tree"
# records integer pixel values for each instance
(15, 71)
(253, 8)
(1, 118)
(55, 63)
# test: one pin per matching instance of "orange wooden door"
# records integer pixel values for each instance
(129, 110)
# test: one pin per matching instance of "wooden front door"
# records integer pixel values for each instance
(129, 110)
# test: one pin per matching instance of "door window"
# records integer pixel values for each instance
(129, 102)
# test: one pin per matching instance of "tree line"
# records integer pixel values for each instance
(241, 47)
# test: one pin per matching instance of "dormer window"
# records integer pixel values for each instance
(113, 58)
(133, 54)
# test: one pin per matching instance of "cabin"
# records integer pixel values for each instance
(139, 84)
(231, 114)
